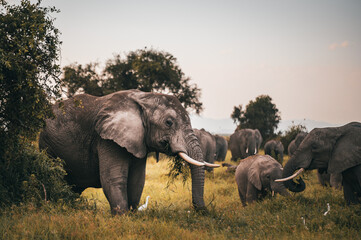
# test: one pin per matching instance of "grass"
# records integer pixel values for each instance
(170, 214)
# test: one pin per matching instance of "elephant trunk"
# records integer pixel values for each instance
(288, 170)
(280, 188)
(197, 172)
(252, 148)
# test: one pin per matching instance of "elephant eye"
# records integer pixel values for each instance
(169, 122)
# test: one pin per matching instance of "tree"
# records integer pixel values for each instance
(77, 77)
(260, 114)
(237, 114)
(29, 76)
(29, 48)
(144, 69)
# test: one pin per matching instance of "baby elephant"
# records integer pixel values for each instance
(255, 177)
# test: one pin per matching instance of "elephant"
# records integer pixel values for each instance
(276, 147)
(208, 146)
(255, 177)
(221, 148)
(104, 142)
(244, 143)
(295, 143)
(335, 150)
(326, 179)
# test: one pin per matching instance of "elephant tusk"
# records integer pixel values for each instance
(211, 165)
(291, 177)
(189, 159)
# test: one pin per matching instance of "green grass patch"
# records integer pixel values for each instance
(170, 214)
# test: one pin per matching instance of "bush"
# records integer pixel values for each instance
(29, 78)
(32, 176)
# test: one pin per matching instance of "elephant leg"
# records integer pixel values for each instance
(336, 181)
(136, 179)
(252, 193)
(242, 197)
(351, 181)
(114, 167)
(348, 193)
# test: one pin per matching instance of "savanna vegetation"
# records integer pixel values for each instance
(35, 201)
(170, 215)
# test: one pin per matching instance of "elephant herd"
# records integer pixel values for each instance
(104, 142)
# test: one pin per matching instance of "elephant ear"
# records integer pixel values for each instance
(120, 120)
(346, 152)
(254, 175)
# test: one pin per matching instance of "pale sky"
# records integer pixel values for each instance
(305, 54)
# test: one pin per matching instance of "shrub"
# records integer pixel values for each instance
(32, 176)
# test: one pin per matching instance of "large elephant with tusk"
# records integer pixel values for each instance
(335, 150)
(244, 143)
(104, 142)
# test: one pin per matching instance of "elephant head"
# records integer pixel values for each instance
(299, 138)
(244, 143)
(263, 173)
(333, 149)
(254, 140)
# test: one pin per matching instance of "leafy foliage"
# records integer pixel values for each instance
(32, 176)
(291, 134)
(260, 114)
(144, 69)
(29, 48)
(178, 168)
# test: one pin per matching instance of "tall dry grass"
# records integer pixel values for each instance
(170, 214)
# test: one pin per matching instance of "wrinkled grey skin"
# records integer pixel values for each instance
(208, 145)
(274, 147)
(221, 148)
(295, 143)
(104, 142)
(244, 143)
(335, 150)
(326, 179)
(255, 177)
